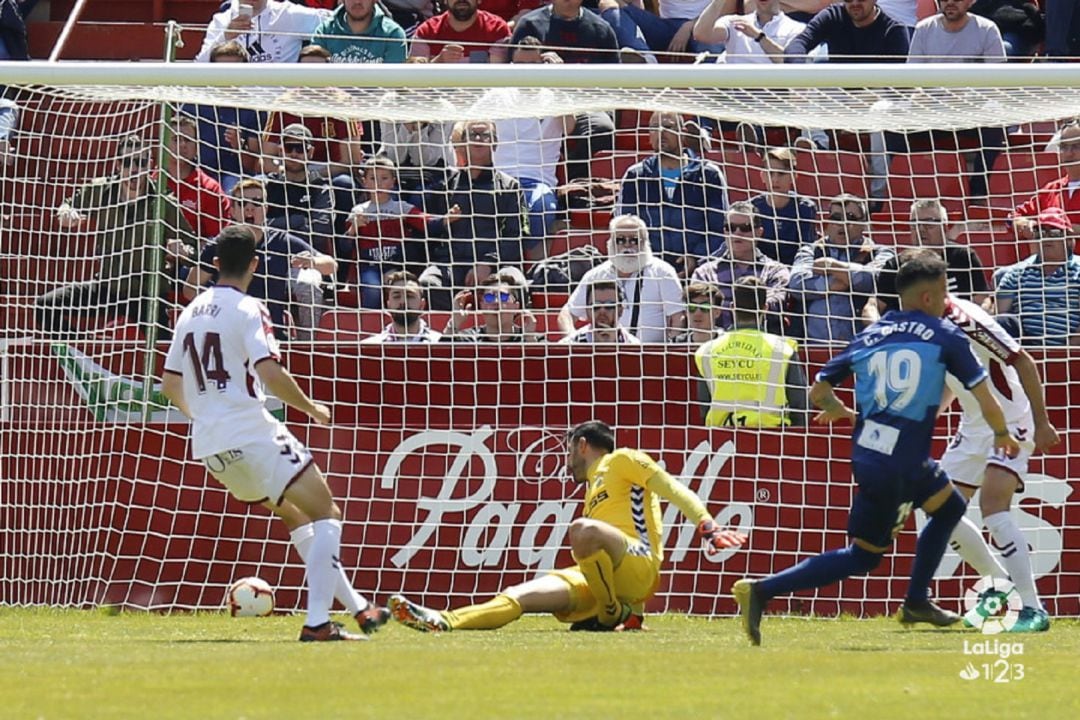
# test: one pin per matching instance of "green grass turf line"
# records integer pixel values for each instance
(88, 664)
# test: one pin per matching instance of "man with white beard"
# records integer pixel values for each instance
(653, 310)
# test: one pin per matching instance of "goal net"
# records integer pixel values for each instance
(447, 458)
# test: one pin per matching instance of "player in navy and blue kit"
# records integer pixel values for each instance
(899, 365)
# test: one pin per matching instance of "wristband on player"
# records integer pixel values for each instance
(760, 36)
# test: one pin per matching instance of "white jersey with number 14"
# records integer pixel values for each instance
(219, 339)
(996, 350)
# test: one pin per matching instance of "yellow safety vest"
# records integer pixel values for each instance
(745, 370)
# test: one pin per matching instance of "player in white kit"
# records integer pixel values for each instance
(222, 354)
(973, 465)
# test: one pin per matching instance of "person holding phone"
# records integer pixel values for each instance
(270, 30)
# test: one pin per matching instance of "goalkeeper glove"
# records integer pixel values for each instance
(717, 540)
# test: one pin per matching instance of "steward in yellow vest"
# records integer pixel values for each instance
(754, 378)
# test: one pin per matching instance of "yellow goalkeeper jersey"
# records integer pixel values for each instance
(617, 495)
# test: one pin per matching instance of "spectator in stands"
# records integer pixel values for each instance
(652, 308)
(604, 305)
(641, 33)
(739, 258)
(955, 35)
(298, 198)
(422, 153)
(930, 229)
(742, 368)
(529, 150)
(204, 204)
(787, 219)
(757, 37)
(703, 307)
(490, 210)
(577, 36)
(289, 275)
(1061, 193)
(1021, 23)
(121, 208)
(504, 314)
(13, 40)
(274, 32)
(391, 234)
(360, 32)
(9, 123)
(1040, 296)
(856, 31)
(680, 198)
(404, 302)
(1062, 28)
(337, 150)
(833, 277)
(463, 33)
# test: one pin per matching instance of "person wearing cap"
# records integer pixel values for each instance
(360, 31)
(298, 199)
(1042, 292)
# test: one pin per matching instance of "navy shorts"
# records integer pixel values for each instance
(886, 498)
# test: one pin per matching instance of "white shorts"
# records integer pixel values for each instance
(967, 457)
(262, 470)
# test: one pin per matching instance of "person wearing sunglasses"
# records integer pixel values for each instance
(498, 310)
(299, 199)
(752, 378)
(121, 208)
(702, 313)
(833, 278)
(605, 302)
(202, 200)
(739, 258)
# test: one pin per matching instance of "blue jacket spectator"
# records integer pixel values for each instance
(681, 198)
(856, 31)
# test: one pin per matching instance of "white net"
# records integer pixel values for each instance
(447, 458)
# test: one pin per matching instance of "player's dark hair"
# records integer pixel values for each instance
(918, 265)
(598, 434)
(235, 249)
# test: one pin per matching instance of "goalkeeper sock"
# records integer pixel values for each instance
(322, 569)
(1014, 555)
(967, 541)
(599, 572)
(496, 612)
(931, 545)
(353, 601)
(824, 569)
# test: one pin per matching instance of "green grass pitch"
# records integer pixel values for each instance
(86, 664)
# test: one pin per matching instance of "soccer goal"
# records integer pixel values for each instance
(448, 458)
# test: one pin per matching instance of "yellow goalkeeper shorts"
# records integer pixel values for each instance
(636, 580)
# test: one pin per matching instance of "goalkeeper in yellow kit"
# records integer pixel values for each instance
(616, 544)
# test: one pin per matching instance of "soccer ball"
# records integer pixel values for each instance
(250, 597)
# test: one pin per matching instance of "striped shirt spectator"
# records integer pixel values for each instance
(1043, 291)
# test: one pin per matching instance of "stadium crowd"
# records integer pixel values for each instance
(458, 230)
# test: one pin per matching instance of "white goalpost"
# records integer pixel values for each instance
(447, 458)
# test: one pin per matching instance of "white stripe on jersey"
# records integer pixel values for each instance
(996, 350)
(218, 340)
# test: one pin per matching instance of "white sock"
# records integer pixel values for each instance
(353, 601)
(322, 568)
(1014, 555)
(967, 540)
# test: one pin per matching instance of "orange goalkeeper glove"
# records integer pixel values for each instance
(717, 540)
